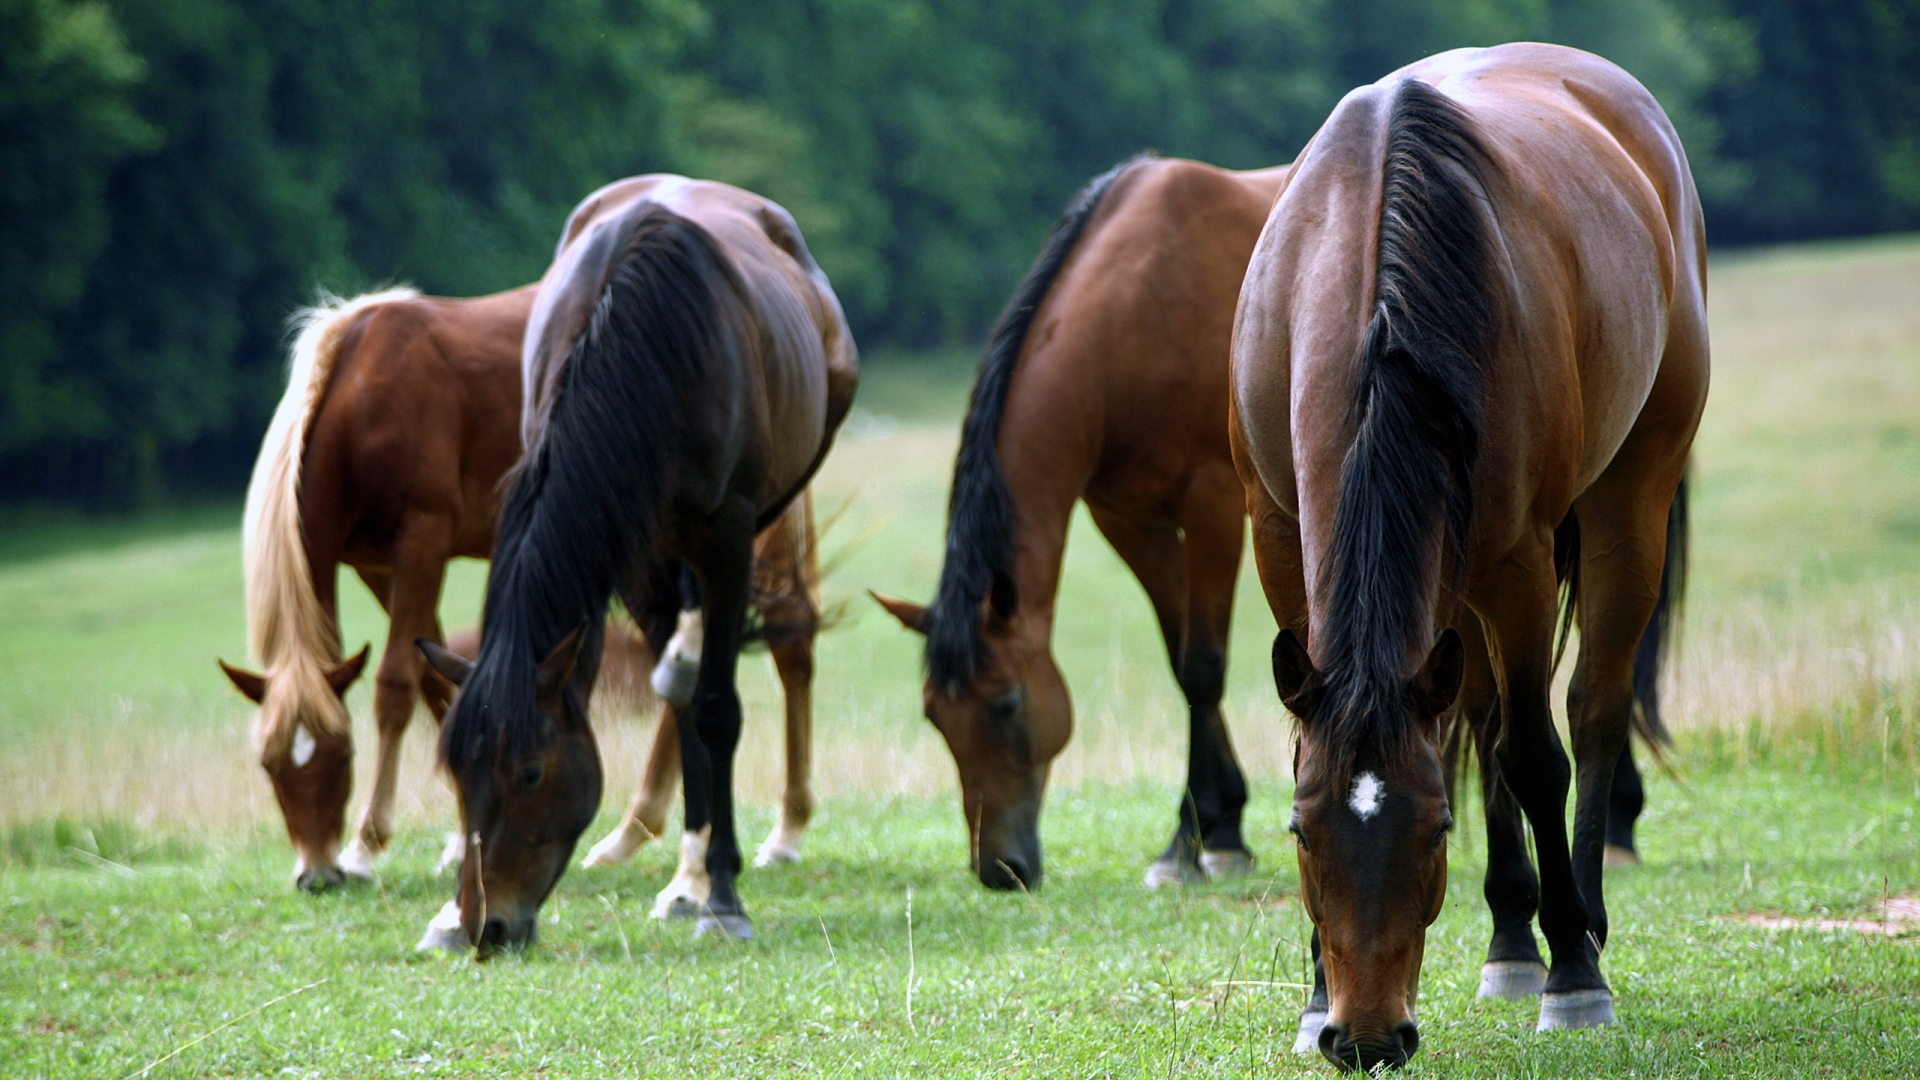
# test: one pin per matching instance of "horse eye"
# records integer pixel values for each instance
(1298, 836)
(1005, 707)
(531, 774)
(1446, 826)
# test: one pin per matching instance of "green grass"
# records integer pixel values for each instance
(144, 900)
(104, 969)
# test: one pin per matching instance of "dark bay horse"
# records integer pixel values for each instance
(1105, 380)
(401, 416)
(685, 368)
(1469, 361)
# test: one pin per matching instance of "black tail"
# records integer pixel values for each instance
(583, 507)
(979, 558)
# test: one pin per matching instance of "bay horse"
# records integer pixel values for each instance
(1105, 380)
(685, 368)
(1468, 364)
(386, 452)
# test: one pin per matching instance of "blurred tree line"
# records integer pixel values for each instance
(179, 175)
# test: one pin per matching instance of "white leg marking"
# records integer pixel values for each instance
(687, 893)
(678, 671)
(444, 933)
(626, 838)
(453, 853)
(1307, 1039)
(357, 860)
(782, 845)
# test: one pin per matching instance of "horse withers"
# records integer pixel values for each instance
(1105, 380)
(1469, 361)
(685, 368)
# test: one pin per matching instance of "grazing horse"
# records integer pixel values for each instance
(685, 368)
(1469, 361)
(1105, 380)
(377, 458)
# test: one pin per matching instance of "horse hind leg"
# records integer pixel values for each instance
(646, 818)
(1212, 545)
(793, 660)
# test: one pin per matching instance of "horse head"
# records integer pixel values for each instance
(1005, 723)
(528, 781)
(1371, 825)
(306, 747)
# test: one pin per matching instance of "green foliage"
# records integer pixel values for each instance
(181, 174)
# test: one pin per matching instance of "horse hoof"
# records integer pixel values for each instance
(1615, 855)
(732, 927)
(1512, 980)
(1224, 864)
(357, 860)
(1173, 871)
(1307, 1040)
(676, 907)
(772, 854)
(1570, 1010)
(444, 933)
(319, 879)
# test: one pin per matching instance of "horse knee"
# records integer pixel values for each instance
(1203, 677)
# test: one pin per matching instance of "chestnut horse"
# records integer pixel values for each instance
(1469, 361)
(685, 368)
(400, 417)
(1106, 380)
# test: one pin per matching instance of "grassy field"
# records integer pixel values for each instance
(144, 903)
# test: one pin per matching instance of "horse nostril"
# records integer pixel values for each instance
(1409, 1033)
(493, 933)
(1005, 873)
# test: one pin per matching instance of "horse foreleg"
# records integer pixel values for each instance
(646, 819)
(410, 592)
(725, 571)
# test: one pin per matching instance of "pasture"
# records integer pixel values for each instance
(145, 909)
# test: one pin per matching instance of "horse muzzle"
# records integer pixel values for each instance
(1338, 1046)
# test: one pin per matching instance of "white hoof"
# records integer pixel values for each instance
(732, 927)
(1307, 1039)
(1171, 871)
(1223, 864)
(686, 895)
(452, 853)
(357, 861)
(444, 933)
(1571, 1010)
(619, 845)
(1512, 980)
(782, 845)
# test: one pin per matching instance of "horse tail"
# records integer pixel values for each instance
(979, 557)
(605, 428)
(287, 629)
(1655, 653)
(1406, 487)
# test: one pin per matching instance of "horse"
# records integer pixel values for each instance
(1106, 380)
(377, 459)
(684, 371)
(1468, 364)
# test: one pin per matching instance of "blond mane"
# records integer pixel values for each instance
(288, 631)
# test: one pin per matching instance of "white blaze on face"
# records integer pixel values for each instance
(1365, 800)
(302, 746)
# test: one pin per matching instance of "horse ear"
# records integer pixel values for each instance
(341, 675)
(1004, 598)
(1440, 677)
(249, 684)
(911, 615)
(1293, 673)
(454, 668)
(556, 671)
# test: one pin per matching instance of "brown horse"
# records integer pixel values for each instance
(1105, 381)
(400, 418)
(1469, 361)
(686, 367)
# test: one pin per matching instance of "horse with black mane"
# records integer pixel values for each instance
(685, 368)
(1468, 365)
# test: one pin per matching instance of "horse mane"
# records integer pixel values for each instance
(980, 510)
(288, 631)
(583, 507)
(1405, 511)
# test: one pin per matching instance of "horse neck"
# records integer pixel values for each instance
(1047, 461)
